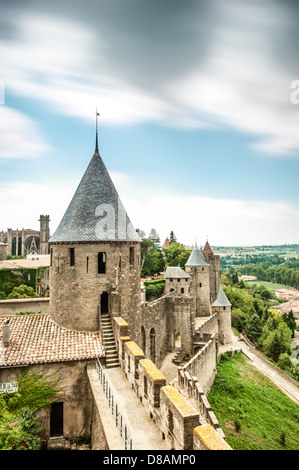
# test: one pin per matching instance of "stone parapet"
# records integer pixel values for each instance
(133, 354)
(206, 438)
(178, 417)
(151, 380)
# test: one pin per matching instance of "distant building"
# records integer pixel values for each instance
(25, 241)
(3, 251)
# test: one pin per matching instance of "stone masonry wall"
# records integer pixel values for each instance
(75, 395)
(78, 305)
(176, 418)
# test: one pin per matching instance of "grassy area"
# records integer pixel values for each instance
(271, 285)
(253, 413)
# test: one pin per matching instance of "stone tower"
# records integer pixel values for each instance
(44, 234)
(199, 270)
(223, 307)
(214, 262)
(95, 256)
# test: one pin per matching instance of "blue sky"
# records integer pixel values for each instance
(196, 124)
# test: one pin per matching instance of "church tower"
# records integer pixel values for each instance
(199, 270)
(44, 234)
(95, 256)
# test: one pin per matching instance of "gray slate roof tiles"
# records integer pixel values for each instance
(95, 213)
(196, 258)
(221, 299)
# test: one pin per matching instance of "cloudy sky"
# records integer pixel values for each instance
(199, 113)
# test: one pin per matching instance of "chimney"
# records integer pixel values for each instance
(6, 333)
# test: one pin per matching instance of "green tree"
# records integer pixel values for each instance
(172, 237)
(290, 321)
(176, 254)
(22, 292)
(253, 328)
(152, 261)
(19, 426)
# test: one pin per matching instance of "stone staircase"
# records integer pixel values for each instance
(109, 341)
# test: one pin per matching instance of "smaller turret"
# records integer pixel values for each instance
(222, 306)
(199, 271)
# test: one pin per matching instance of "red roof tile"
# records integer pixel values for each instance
(36, 339)
(208, 249)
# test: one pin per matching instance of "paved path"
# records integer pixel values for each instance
(290, 389)
(143, 430)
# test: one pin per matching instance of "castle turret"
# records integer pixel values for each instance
(199, 271)
(95, 255)
(223, 306)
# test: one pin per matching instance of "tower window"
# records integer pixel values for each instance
(72, 256)
(87, 260)
(102, 263)
(131, 255)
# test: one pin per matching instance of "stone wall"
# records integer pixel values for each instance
(78, 305)
(206, 438)
(163, 318)
(203, 364)
(3, 251)
(172, 413)
(12, 306)
(75, 394)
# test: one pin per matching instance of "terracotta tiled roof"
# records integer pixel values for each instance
(36, 339)
(208, 249)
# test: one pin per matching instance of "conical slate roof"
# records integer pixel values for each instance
(221, 299)
(196, 258)
(95, 213)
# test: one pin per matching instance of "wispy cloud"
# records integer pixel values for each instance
(203, 65)
(20, 136)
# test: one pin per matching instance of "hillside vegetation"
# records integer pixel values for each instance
(252, 412)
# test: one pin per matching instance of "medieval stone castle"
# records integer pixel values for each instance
(101, 332)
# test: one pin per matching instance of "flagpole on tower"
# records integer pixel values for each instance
(97, 146)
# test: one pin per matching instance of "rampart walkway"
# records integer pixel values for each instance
(143, 431)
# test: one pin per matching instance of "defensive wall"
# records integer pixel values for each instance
(12, 306)
(181, 425)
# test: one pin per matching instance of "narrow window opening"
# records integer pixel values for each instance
(51, 256)
(102, 263)
(72, 256)
(87, 260)
(131, 255)
(182, 290)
